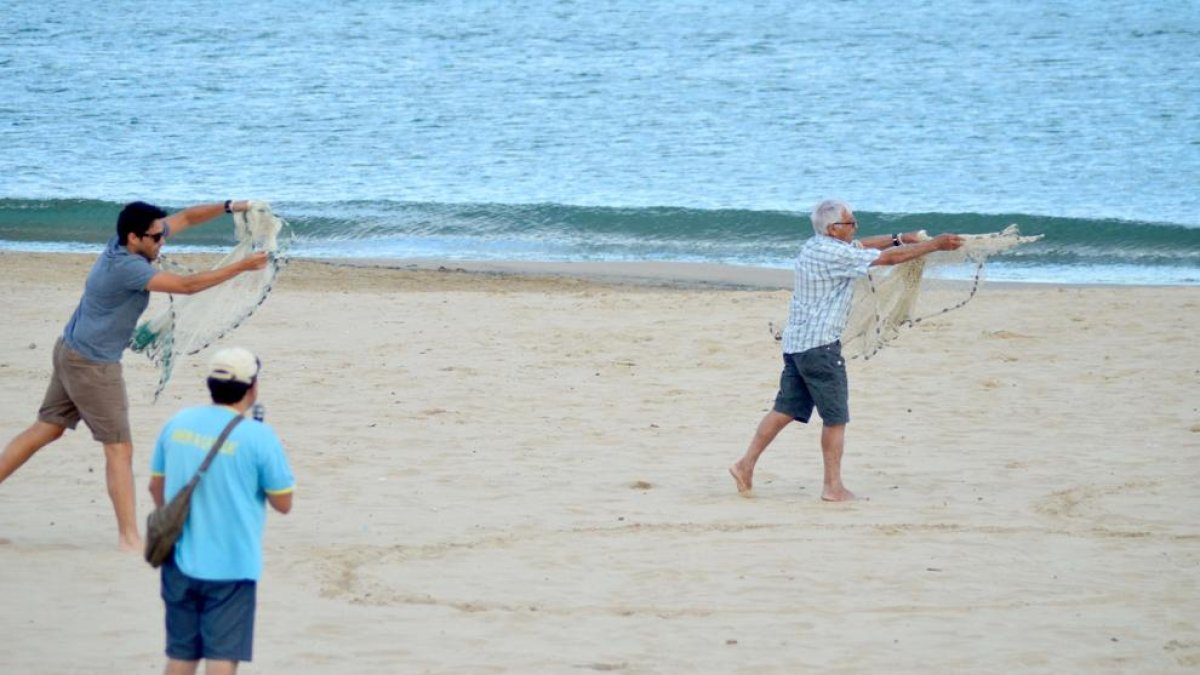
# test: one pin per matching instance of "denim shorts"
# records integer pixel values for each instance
(208, 619)
(815, 378)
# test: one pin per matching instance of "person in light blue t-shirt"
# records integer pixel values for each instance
(209, 585)
(87, 383)
(814, 373)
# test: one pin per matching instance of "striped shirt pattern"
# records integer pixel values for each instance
(825, 272)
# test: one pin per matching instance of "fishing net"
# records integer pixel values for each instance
(889, 298)
(190, 323)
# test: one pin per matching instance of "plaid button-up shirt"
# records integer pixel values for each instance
(825, 272)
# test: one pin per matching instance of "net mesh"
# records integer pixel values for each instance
(889, 298)
(190, 323)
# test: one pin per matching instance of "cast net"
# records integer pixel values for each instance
(889, 298)
(190, 323)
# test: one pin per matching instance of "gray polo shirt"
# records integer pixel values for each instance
(114, 297)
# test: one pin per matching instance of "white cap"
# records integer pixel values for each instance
(233, 364)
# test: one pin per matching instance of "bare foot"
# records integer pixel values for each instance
(837, 495)
(744, 480)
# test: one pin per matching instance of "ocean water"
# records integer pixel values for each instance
(693, 131)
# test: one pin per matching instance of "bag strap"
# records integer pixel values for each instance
(213, 452)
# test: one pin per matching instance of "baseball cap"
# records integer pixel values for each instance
(233, 364)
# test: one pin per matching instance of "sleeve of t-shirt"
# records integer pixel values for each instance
(274, 474)
(137, 272)
(852, 261)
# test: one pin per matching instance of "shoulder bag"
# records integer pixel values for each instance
(165, 523)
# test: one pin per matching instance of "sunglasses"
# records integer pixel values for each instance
(157, 236)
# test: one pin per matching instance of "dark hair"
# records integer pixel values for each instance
(136, 218)
(227, 392)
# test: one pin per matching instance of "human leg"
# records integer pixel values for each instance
(743, 469)
(182, 605)
(833, 441)
(56, 414)
(227, 622)
(209, 620)
(824, 371)
(96, 393)
(177, 667)
(792, 402)
(25, 444)
(119, 473)
(210, 667)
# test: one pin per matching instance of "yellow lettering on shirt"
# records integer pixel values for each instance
(205, 443)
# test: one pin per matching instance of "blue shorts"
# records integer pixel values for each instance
(815, 378)
(208, 619)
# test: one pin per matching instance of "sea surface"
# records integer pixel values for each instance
(557, 131)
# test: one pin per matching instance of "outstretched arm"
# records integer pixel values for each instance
(201, 213)
(886, 241)
(897, 255)
(165, 282)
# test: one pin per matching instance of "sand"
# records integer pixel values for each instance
(527, 474)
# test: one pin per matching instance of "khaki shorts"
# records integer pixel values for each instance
(88, 390)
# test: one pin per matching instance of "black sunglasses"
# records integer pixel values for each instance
(157, 236)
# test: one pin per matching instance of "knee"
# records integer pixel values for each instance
(772, 424)
(122, 452)
(47, 432)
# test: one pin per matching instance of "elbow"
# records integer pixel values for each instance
(189, 287)
(281, 503)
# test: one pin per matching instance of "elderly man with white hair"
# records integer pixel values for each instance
(814, 372)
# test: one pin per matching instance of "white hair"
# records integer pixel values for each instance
(826, 213)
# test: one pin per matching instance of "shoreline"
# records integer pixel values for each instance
(621, 273)
(667, 274)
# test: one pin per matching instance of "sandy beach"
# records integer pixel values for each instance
(526, 473)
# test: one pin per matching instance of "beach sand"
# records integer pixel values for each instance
(527, 474)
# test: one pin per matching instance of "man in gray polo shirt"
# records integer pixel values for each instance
(814, 372)
(87, 382)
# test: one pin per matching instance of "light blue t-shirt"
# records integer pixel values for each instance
(114, 297)
(222, 539)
